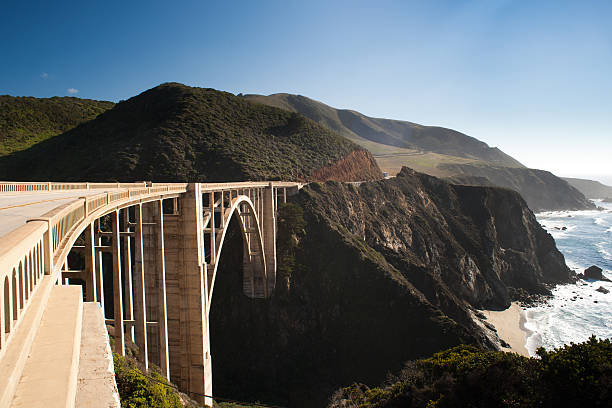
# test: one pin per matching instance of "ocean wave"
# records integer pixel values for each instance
(600, 221)
(609, 229)
(605, 253)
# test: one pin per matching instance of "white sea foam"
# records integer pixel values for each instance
(576, 311)
(600, 221)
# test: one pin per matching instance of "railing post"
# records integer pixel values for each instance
(48, 249)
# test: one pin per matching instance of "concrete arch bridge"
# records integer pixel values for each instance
(161, 243)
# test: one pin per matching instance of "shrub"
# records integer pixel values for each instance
(140, 391)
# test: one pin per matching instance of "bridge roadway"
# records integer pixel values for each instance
(16, 208)
(161, 254)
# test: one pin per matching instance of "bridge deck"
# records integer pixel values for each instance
(17, 207)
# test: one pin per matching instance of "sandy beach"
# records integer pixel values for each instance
(510, 326)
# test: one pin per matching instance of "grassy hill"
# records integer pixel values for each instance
(377, 135)
(178, 133)
(25, 121)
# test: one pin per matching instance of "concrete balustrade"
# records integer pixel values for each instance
(164, 265)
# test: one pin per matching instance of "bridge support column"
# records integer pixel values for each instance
(269, 235)
(117, 286)
(190, 366)
(128, 298)
(140, 299)
(99, 268)
(90, 264)
(154, 255)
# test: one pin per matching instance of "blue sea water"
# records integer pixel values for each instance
(576, 311)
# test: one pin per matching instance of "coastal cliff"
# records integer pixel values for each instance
(541, 189)
(373, 275)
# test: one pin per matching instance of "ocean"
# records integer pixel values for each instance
(576, 311)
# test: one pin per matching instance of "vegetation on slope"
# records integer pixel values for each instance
(25, 121)
(137, 390)
(576, 375)
(370, 132)
(178, 133)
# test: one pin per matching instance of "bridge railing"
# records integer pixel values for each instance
(39, 247)
(10, 186)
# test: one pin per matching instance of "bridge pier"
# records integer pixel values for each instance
(190, 366)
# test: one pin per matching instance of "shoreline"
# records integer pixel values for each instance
(510, 326)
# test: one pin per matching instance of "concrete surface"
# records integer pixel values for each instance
(96, 387)
(49, 377)
(17, 208)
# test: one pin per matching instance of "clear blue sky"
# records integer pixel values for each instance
(531, 77)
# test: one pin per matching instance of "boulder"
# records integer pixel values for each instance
(593, 272)
(602, 290)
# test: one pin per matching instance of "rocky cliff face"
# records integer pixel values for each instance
(358, 165)
(375, 275)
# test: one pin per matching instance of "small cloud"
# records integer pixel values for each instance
(72, 91)
(44, 75)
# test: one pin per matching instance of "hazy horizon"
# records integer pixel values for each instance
(530, 79)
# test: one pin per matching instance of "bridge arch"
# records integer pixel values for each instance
(254, 264)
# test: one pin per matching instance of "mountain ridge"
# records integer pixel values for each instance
(436, 151)
(398, 133)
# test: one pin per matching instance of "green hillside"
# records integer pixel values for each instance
(25, 121)
(377, 134)
(178, 133)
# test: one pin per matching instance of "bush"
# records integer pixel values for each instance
(139, 391)
(464, 376)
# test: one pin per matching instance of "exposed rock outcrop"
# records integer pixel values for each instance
(378, 274)
(595, 272)
(359, 165)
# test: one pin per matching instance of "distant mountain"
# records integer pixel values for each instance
(25, 121)
(361, 128)
(178, 133)
(435, 151)
(590, 188)
(541, 189)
